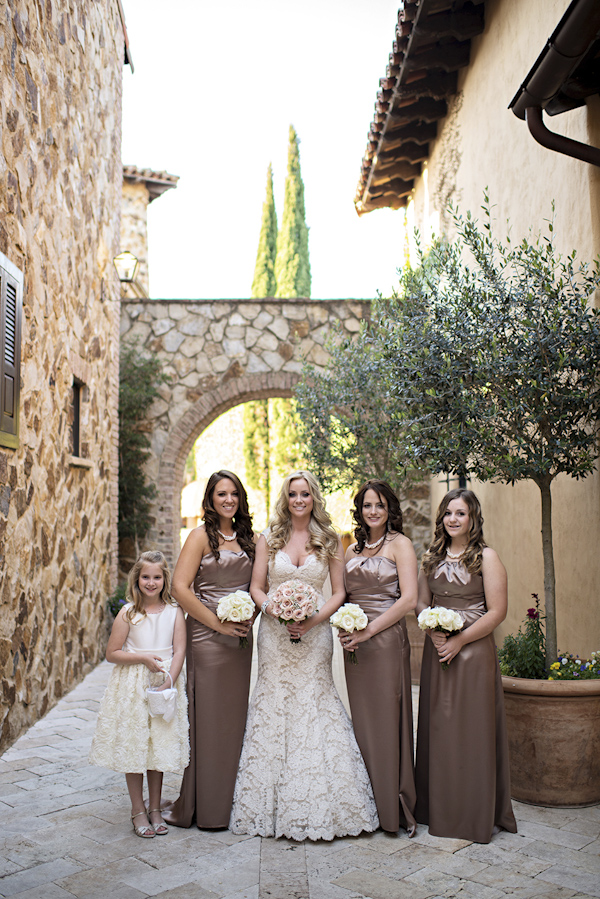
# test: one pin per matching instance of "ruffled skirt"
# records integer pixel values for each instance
(127, 738)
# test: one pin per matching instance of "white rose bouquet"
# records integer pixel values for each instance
(438, 618)
(294, 601)
(236, 606)
(350, 617)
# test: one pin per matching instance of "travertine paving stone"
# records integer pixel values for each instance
(66, 832)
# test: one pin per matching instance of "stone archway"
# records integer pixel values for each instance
(218, 354)
(197, 419)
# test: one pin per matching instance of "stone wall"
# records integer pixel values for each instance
(219, 353)
(60, 169)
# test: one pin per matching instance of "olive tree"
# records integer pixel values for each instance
(493, 351)
(347, 431)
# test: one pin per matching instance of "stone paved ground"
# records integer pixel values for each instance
(64, 832)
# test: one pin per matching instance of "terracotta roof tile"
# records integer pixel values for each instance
(156, 182)
(432, 41)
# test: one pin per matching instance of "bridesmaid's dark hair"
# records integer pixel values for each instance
(394, 522)
(441, 540)
(242, 520)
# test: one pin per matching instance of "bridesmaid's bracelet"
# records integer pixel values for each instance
(265, 606)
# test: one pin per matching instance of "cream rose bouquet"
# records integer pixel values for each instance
(350, 618)
(294, 601)
(438, 618)
(236, 607)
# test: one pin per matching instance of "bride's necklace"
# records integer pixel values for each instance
(225, 537)
(376, 544)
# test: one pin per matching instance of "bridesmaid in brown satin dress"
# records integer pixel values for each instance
(216, 559)
(463, 778)
(381, 577)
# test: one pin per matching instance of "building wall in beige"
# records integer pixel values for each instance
(134, 227)
(481, 144)
(60, 170)
(140, 188)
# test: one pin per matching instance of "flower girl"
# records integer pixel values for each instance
(147, 643)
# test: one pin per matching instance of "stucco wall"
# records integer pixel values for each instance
(481, 143)
(134, 227)
(60, 169)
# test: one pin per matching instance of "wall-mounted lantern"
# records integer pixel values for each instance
(126, 265)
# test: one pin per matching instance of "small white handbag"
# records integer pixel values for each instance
(162, 702)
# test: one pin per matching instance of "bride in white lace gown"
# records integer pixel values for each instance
(301, 773)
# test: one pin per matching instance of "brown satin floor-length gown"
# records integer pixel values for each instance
(463, 776)
(379, 690)
(218, 684)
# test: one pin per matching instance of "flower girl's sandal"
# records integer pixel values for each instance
(160, 828)
(145, 830)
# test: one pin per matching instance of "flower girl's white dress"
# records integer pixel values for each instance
(301, 773)
(127, 738)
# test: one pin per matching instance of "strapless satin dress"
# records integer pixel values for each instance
(379, 690)
(463, 775)
(218, 684)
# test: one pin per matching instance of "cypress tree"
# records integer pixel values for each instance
(264, 284)
(257, 447)
(256, 413)
(282, 270)
(292, 271)
(292, 266)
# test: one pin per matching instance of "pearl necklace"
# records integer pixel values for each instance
(225, 537)
(455, 556)
(376, 544)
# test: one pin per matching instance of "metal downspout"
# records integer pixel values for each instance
(564, 50)
(553, 141)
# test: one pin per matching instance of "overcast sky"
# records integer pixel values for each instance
(215, 88)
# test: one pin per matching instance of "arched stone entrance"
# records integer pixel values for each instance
(197, 419)
(219, 353)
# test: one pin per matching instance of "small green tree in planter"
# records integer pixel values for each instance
(494, 356)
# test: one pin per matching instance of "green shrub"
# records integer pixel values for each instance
(117, 600)
(139, 380)
(524, 654)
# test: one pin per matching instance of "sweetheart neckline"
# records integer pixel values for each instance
(297, 567)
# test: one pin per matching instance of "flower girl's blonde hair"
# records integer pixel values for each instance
(134, 594)
(322, 539)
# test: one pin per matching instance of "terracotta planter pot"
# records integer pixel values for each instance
(554, 735)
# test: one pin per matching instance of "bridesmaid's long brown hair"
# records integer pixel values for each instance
(471, 558)
(242, 520)
(382, 489)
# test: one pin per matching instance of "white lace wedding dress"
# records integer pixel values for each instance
(301, 773)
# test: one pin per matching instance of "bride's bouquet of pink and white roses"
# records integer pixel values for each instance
(439, 618)
(294, 601)
(236, 607)
(350, 617)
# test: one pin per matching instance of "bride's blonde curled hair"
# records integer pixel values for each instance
(322, 540)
